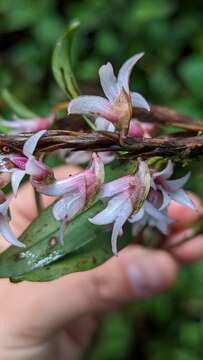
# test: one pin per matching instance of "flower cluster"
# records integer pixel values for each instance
(142, 197)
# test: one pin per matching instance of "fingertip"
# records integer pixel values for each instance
(190, 251)
(149, 272)
(183, 215)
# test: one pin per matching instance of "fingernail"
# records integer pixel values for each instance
(144, 278)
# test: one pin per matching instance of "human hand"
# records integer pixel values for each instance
(55, 320)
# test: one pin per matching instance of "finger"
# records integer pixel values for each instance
(184, 216)
(189, 251)
(134, 274)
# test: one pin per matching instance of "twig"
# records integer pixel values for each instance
(182, 145)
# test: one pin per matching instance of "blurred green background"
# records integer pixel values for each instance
(171, 73)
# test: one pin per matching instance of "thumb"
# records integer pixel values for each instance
(135, 274)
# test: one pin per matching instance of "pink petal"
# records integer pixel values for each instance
(68, 206)
(167, 172)
(61, 187)
(18, 161)
(139, 101)
(16, 178)
(114, 187)
(31, 143)
(30, 125)
(122, 217)
(104, 125)
(125, 71)
(181, 197)
(174, 185)
(7, 233)
(109, 82)
(135, 129)
(95, 105)
(36, 168)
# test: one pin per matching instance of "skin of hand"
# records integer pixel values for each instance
(55, 320)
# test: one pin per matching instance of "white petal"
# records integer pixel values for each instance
(123, 215)
(139, 101)
(95, 105)
(7, 233)
(109, 214)
(16, 178)
(137, 216)
(162, 226)
(4, 207)
(107, 157)
(68, 206)
(31, 143)
(167, 172)
(109, 81)
(137, 226)
(181, 197)
(61, 187)
(125, 71)
(166, 199)
(79, 157)
(155, 213)
(98, 168)
(104, 125)
(114, 187)
(174, 185)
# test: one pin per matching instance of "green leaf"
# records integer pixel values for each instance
(61, 61)
(15, 105)
(41, 237)
(88, 256)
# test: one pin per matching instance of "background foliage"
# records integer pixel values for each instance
(171, 73)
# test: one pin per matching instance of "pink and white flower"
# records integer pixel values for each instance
(126, 196)
(5, 229)
(76, 192)
(29, 125)
(119, 101)
(163, 190)
(26, 164)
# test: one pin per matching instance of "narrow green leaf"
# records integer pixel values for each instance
(61, 61)
(92, 254)
(15, 105)
(41, 237)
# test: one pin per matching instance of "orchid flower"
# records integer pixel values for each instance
(119, 101)
(171, 189)
(126, 196)
(154, 210)
(76, 192)
(5, 229)
(19, 165)
(29, 125)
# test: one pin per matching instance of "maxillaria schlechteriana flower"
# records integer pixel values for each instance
(76, 192)
(29, 125)
(141, 196)
(119, 102)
